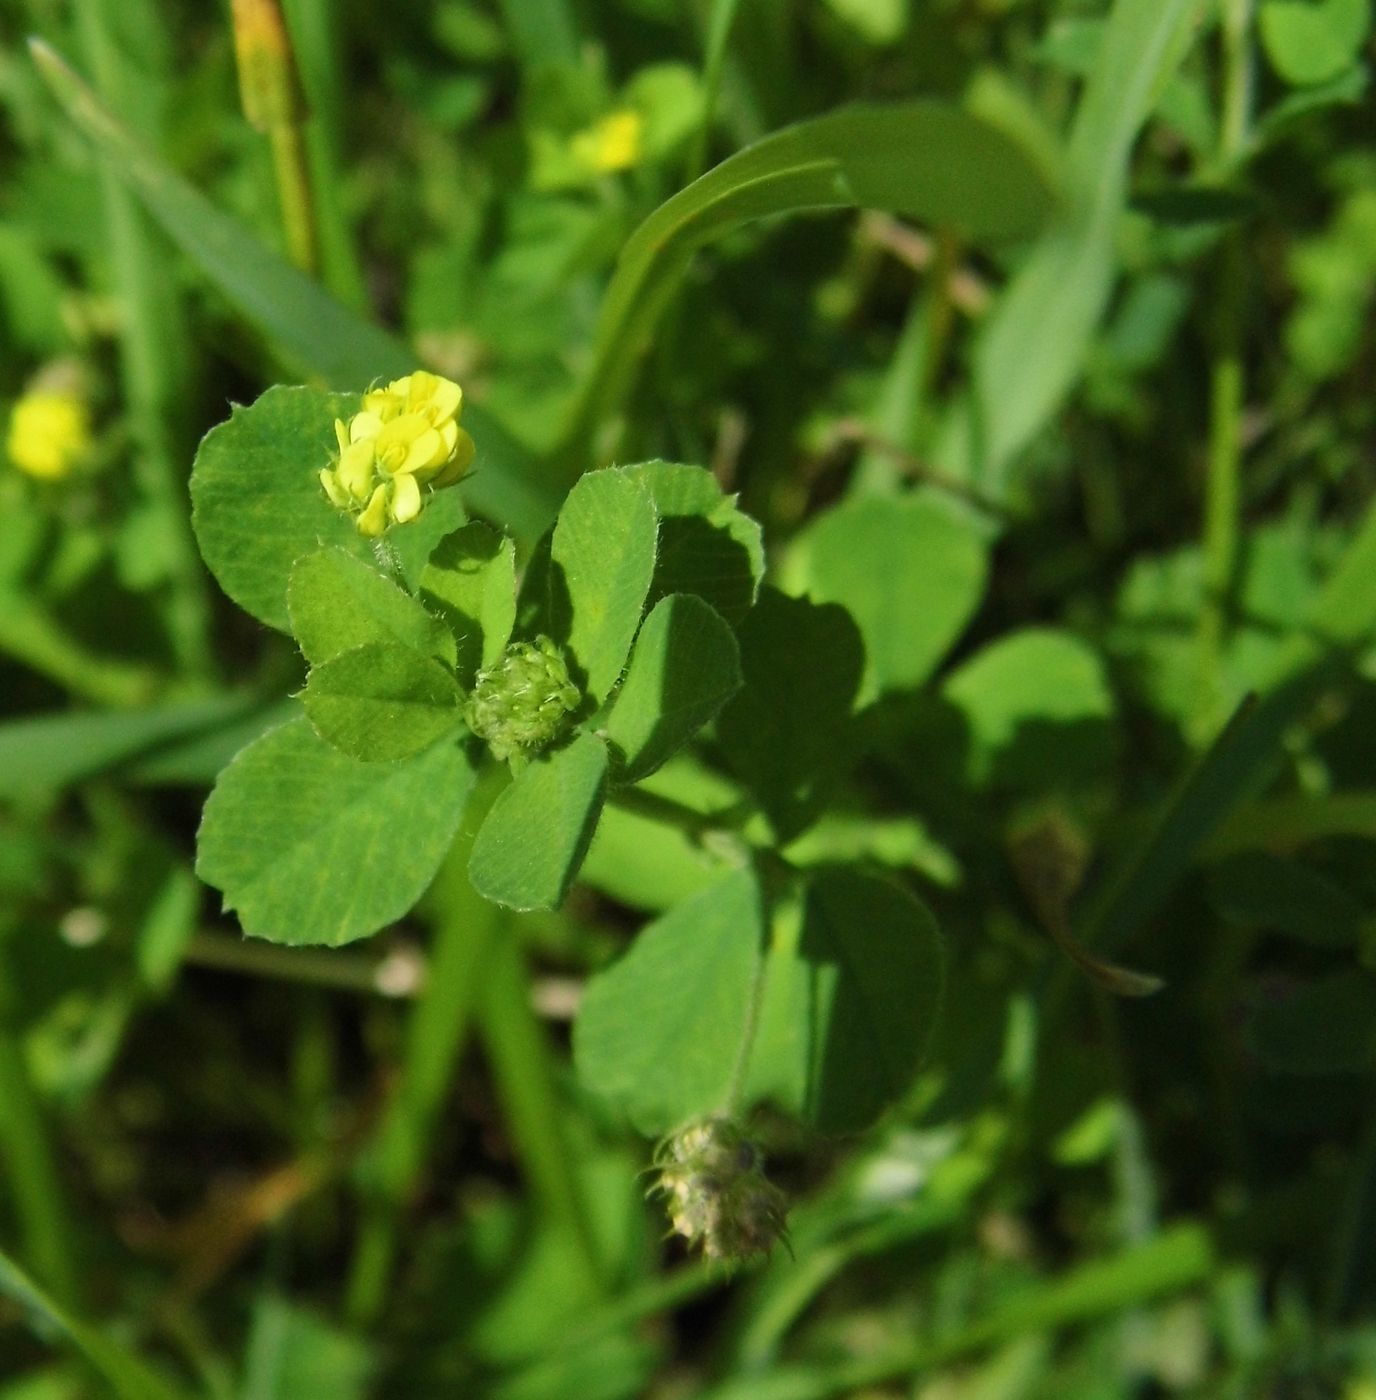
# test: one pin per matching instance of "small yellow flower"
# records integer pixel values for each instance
(406, 437)
(611, 143)
(50, 431)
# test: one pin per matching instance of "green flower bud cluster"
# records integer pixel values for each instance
(521, 704)
(716, 1192)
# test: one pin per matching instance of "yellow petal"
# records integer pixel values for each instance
(458, 463)
(373, 521)
(341, 433)
(424, 454)
(405, 499)
(337, 494)
(363, 427)
(356, 468)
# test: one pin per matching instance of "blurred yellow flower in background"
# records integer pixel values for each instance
(50, 431)
(614, 142)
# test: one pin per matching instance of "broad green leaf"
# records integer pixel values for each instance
(926, 159)
(1262, 891)
(258, 506)
(707, 545)
(851, 1003)
(381, 702)
(292, 1353)
(50, 752)
(316, 333)
(127, 1375)
(336, 601)
(470, 582)
(534, 839)
(684, 668)
(910, 570)
(1037, 710)
(1327, 1026)
(788, 732)
(604, 545)
(1032, 346)
(1311, 41)
(658, 1033)
(309, 846)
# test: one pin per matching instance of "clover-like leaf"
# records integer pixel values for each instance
(851, 1005)
(911, 572)
(470, 581)
(310, 846)
(850, 997)
(337, 601)
(659, 1032)
(529, 849)
(788, 732)
(604, 546)
(685, 667)
(707, 545)
(381, 701)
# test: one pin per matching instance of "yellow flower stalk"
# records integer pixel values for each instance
(405, 437)
(50, 431)
(612, 143)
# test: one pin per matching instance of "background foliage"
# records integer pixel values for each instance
(1061, 447)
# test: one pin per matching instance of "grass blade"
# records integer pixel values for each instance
(128, 1377)
(926, 159)
(1034, 343)
(316, 334)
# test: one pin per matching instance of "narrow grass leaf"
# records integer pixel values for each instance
(127, 1375)
(317, 334)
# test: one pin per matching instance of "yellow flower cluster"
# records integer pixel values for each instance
(406, 437)
(613, 143)
(49, 432)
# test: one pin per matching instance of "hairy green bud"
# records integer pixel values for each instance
(716, 1193)
(522, 704)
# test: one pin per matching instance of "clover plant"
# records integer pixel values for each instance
(457, 695)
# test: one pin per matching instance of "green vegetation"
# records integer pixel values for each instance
(753, 621)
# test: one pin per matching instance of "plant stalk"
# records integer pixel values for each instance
(40, 1205)
(465, 926)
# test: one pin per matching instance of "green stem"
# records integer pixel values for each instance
(714, 60)
(313, 25)
(522, 1068)
(31, 636)
(740, 1070)
(292, 169)
(1226, 387)
(151, 348)
(464, 929)
(35, 1185)
(939, 319)
(334, 970)
(679, 815)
